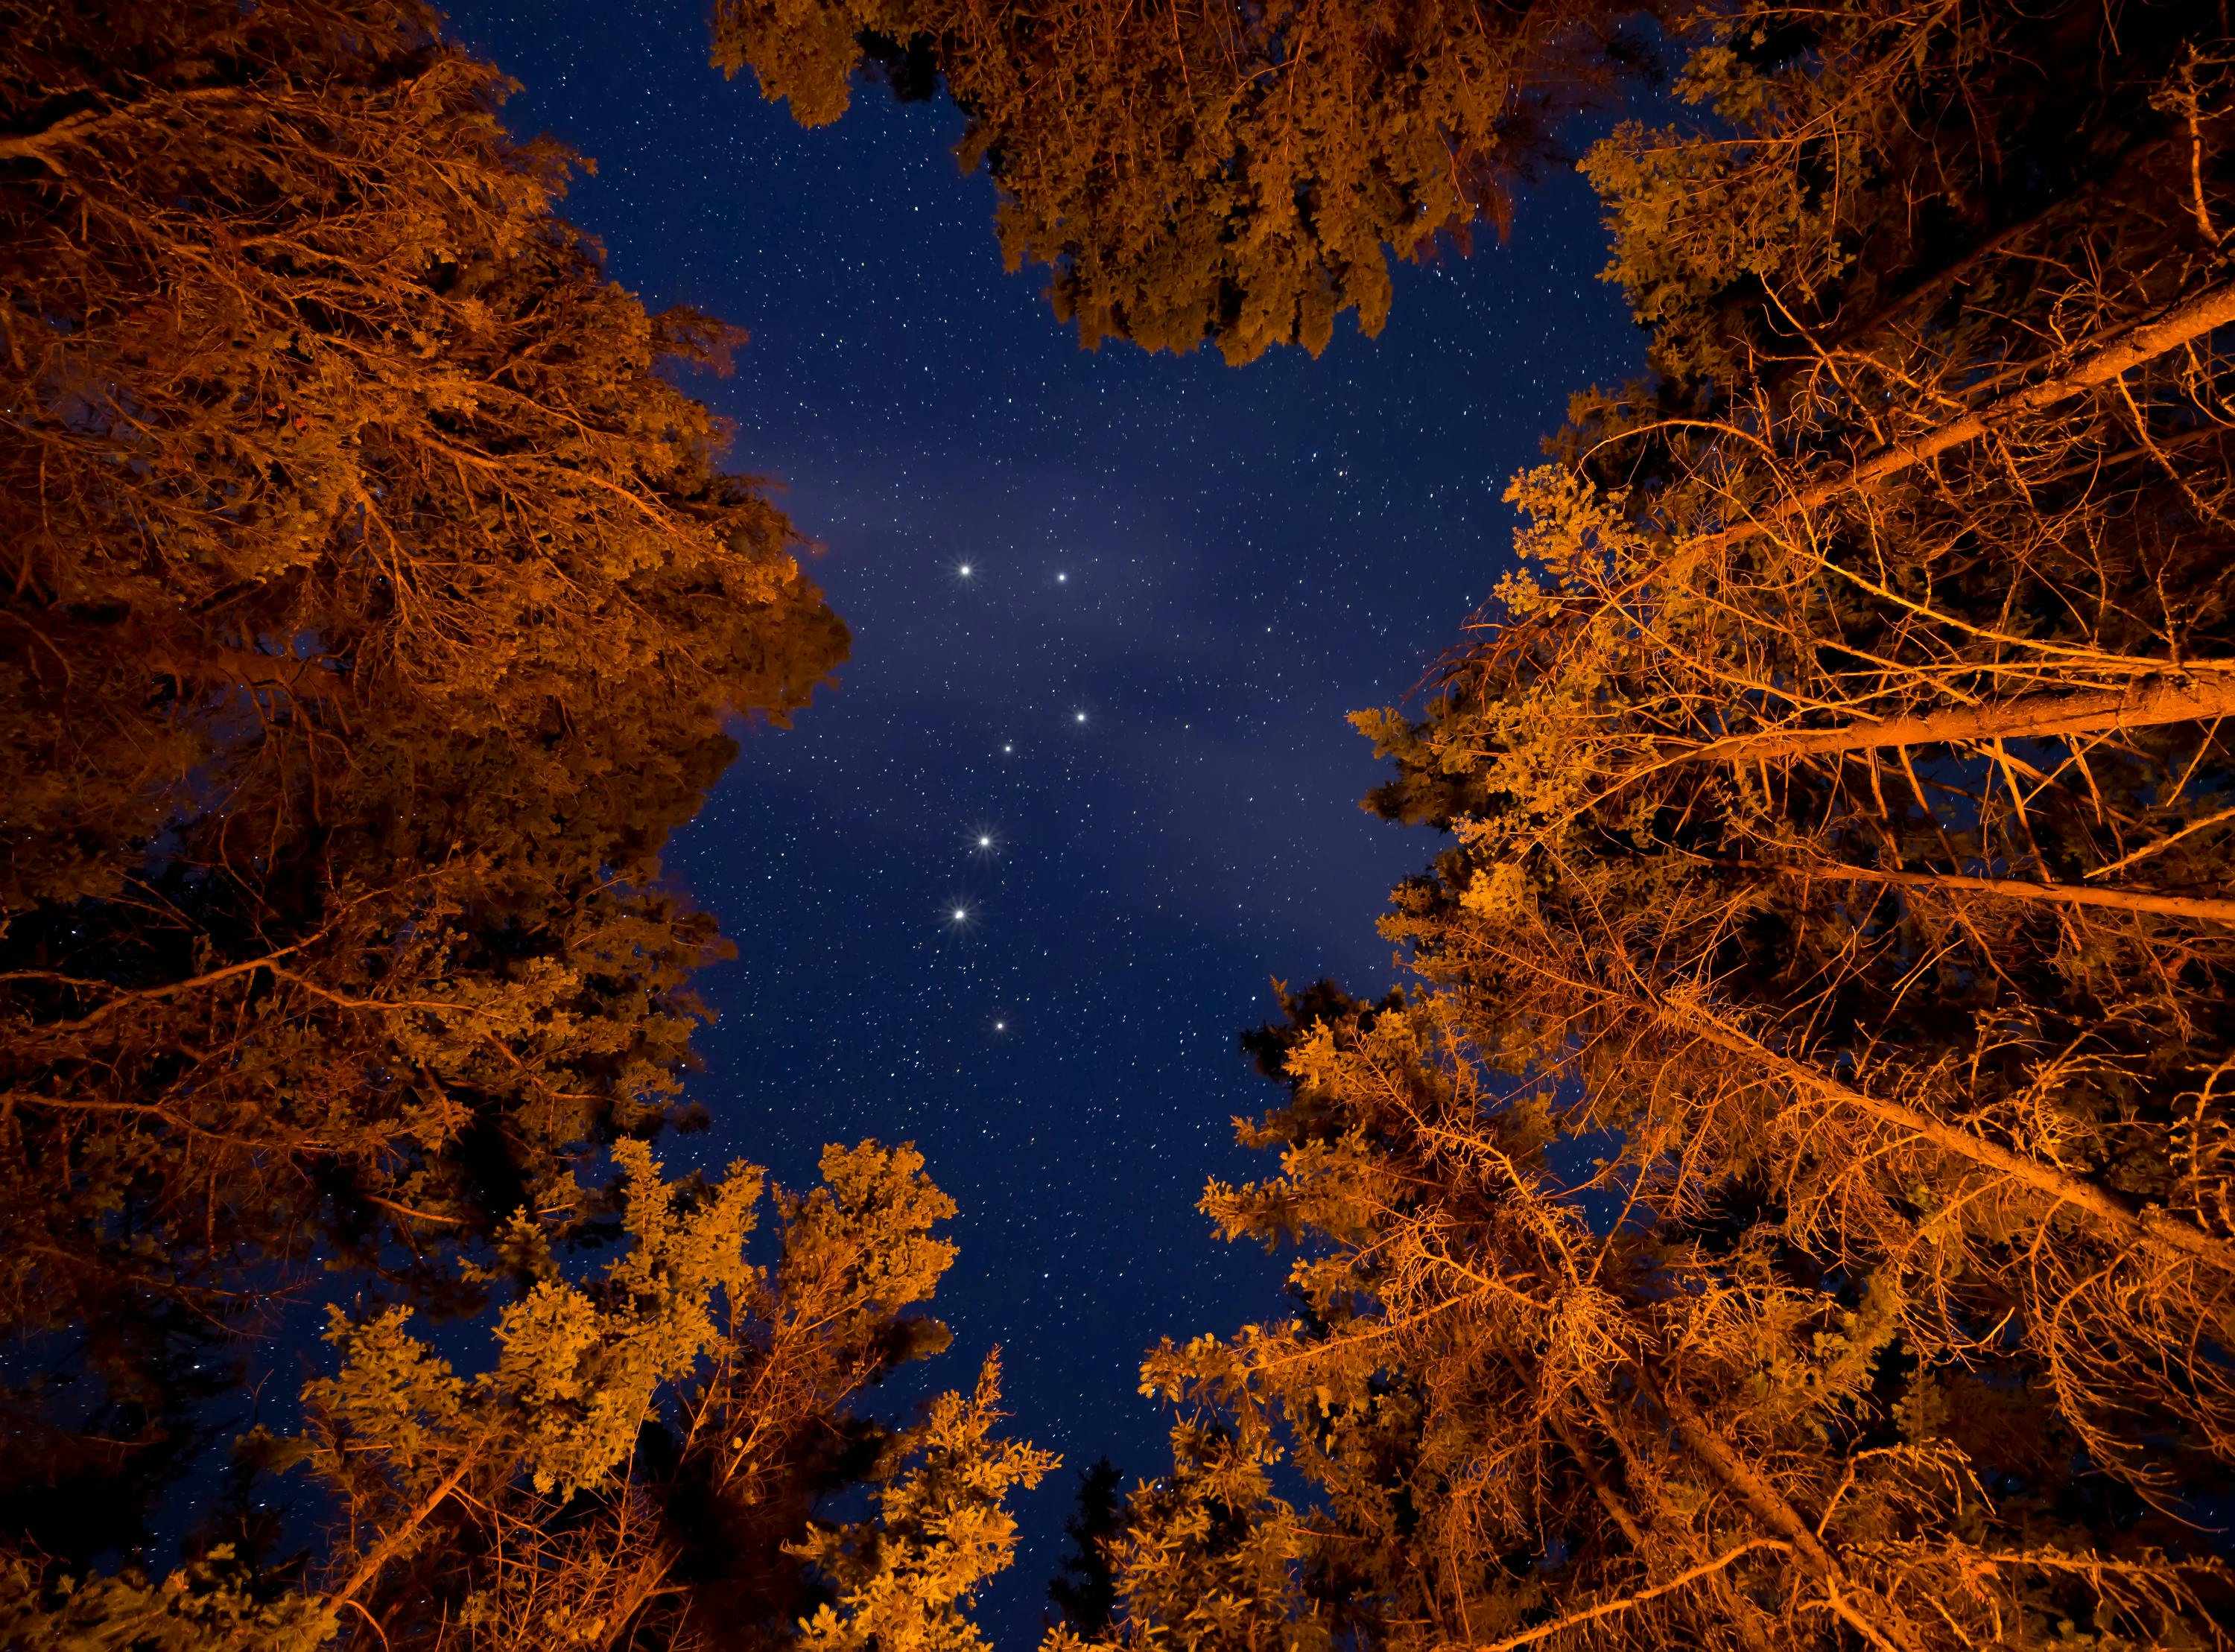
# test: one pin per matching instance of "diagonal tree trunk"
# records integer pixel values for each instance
(1770, 1506)
(391, 1543)
(2149, 1225)
(1706, 1569)
(2122, 900)
(2212, 309)
(2207, 690)
(2119, 169)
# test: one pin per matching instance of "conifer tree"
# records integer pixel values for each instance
(1842, 803)
(1087, 1593)
(1225, 174)
(374, 603)
(1787, 1205)
(590, 1487)
(1523, 1427)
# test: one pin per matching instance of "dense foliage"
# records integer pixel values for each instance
(1792, 1205)
(1231, 174)
(375, 602)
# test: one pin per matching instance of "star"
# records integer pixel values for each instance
(1060, 578)
(1079, 717)
(1005, 750)
(960, 914)
(964, 571)
(1001, 1026)
(985, 841)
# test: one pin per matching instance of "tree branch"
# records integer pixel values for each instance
(2212, 309)
(1628, 1603)
(2125, 900)
(2146, 702)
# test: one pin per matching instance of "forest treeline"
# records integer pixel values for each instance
(375, 602)
(1231, 174)
(1787, 1204)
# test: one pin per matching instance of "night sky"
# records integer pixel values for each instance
(1011, 890)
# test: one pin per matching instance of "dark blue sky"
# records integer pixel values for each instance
(1182, 576)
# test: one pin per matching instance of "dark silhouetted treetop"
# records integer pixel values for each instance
(1086, 1593)
(1226, 173)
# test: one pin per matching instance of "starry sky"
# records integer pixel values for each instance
(1011, 888)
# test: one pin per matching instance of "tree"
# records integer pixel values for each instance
(562, 1497)
(375, 603)
(1838, 807)
(905, 1580)
(1226, 173)
(1087, 1592)
(1524, 1428)
(1786, 1207)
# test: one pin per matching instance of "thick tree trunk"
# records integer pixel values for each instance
(1706, 1569)
(2119, 170)
(1769, 1506)
(1757, 1494)
(2147, 1224)
(1617, 1510)
(392, 1543)
(76, 128)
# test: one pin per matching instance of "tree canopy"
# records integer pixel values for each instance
(1236, 174)
(376, 601)
(1787, 1205)
(1788, 1202)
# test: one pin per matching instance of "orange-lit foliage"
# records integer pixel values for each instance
(1792, 1206)
(1521, 1421)
(638, 1464)
(374, 604)
(1229, 173)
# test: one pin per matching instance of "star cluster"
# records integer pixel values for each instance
(1011, 890)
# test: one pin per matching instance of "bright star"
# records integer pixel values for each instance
(1060, 578)
(1081, 717)
(985, 842)
(964, 571)
(1007, 749)
(960, 913)
(1001, 1026)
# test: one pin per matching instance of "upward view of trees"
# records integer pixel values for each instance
(1792, 1205)
(1226, 173)
(374, 605)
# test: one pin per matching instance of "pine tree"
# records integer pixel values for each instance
(1525, 1426)
(579, 1492)
(1787, 1208)
(1226, 173)
(1841, 805)
(905, 1580)
(374, 606)
(1087, 1592)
